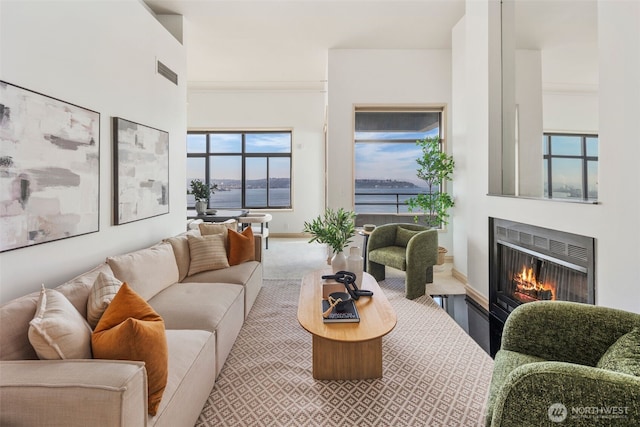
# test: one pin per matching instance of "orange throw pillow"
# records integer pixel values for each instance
(130, 329)
(242, 246)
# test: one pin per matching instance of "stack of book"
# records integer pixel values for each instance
(345, 312)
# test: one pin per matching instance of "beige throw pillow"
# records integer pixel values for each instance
(207, 253)
(102, 292)
(58, 330)
(209, 228)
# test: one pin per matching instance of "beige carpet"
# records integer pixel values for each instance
(434, 373)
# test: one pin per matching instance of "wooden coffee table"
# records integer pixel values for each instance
(346, 351)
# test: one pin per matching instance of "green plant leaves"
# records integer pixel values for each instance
(335, 228)
(200, 190)
(435, 167)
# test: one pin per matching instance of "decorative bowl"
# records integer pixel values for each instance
(344, 296)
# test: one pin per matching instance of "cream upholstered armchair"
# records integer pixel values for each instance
(259, 223)
(408, 247)
(570, 363)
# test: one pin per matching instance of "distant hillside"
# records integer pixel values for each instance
(383, 183)
(228, 184)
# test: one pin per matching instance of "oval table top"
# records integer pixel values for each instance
(377, 317)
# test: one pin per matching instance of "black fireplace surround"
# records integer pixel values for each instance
(529, 263)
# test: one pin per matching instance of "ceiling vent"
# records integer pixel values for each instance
(167, 73)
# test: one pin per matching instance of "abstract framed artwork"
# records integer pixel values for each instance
(49, 168)
(141, 175)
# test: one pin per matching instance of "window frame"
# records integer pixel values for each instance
(208, 154)
(583, 157)
(440, 109)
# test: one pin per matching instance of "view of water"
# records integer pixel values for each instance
(368, 200)
(257, 197)
(384, 200)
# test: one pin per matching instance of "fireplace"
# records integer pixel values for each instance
(529, 263)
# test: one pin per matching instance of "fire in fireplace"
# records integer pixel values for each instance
(529, 288)
(529, 263)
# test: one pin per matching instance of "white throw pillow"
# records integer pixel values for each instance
(58, 330)
(102, 292)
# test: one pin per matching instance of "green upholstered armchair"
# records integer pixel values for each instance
(408, 247)
(566, 364)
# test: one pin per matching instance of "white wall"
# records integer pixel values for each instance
(459, 143)
(378, 77)
(473, 44)
(614, 221)
(99, 55)
(529, 102)
(300, 110)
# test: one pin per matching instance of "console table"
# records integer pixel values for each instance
(221, 215)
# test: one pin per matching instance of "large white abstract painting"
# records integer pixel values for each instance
(141, 159)
(49, 168)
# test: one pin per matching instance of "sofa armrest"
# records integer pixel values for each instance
(257, 238)
(591, 396)
(565, 331)
(73, 393)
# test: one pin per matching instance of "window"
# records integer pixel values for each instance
(385, 156)
(251, 169)
(570, 165)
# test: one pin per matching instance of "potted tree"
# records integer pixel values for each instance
(201, 192)
(334, 228)
(434, 168)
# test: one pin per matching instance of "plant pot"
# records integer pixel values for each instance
(339, 262)
(441, 253)
(201, 207)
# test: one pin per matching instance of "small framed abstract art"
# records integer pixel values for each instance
(141, 175)
(49, 168)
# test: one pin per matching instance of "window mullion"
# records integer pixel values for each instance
(244, 170)
(268, 182)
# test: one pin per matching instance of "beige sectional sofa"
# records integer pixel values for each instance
(202, 314)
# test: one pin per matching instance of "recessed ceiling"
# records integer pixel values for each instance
(288, 41)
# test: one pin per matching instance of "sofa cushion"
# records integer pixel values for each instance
(192, 355)
(147, 271)
(57, 330)
(130, 329)
(15, 316)
(241, 246)
(393, 256)
(77, 289)
(100, 296)
(403, 236)
(624, 355)
(195, 305)
(180, 245)
(239, 274)
(207, 253)
(86, 392)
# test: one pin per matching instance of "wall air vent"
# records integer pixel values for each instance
(167, 73)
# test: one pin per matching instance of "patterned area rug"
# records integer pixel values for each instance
(434, 373)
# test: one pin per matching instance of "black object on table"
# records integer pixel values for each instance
(365, 236)
(221, 215)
